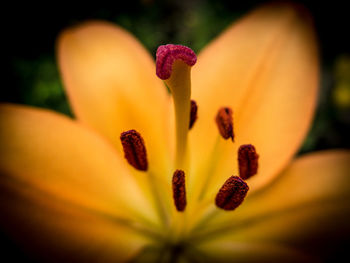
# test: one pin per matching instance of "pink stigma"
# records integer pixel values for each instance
(167, 54)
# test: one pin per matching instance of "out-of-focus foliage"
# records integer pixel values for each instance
(41, 85)
(341, 92)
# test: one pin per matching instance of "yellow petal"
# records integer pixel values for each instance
(49, 229)
(266, 68)
(56, 155)
(112, 86)
(307, 206)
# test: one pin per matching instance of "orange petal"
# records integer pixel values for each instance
(112, 86)
(53, 154)
(49, 229)
(266, 68)
(307, 206)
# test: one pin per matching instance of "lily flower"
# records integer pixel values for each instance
(127, 180)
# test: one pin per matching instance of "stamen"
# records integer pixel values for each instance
(247, 161)
(166, 56)
(134, 149)
(232, 193)
(179, 190)
(224, 121)
(173, 64)
(193, 115)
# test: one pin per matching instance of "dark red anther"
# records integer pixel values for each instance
(134, 149)
(232, 193)
(167, 54)
(179, 190)
(247, 161)
(224, 121)
(193, 116)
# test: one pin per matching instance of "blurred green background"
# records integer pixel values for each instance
(32, 77)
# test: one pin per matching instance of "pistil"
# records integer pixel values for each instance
(173, 65)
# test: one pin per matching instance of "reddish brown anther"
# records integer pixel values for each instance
(179, 190)
(193, 116)
(224, 121)
(167, 54)
(134, 149)
(232, 193)
(247, 161)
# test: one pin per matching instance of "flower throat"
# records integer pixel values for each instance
(173, 66)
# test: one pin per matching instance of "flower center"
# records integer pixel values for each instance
(173, 65)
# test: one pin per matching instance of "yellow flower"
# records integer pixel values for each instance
(68, 194)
